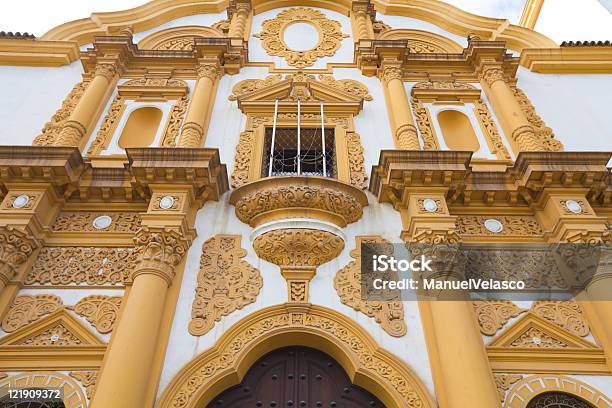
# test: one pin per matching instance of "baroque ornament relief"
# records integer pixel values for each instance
(330, 36)
(83, 221)
(494, 314)
(99, 310)
(82, 265)
(226, 283)
(543, 133)
(16, 247)
(87, 380)
(565, 314)
(109, 124)
(27, 309)
(347, 282)
(526, 225)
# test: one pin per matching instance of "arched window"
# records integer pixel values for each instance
(141, 128)
(457, 131)
(557, 400)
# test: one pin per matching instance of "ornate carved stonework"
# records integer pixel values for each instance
(503, 383)
(430, 142)
(298, 247)
(566, 314)
(355, 155)
(347, 85)
(242, 163)
(108, 71)
(175, 120)
(99, 310)
(82, 265)
(159, 251)
(105, 133)
(87, 379)
(444, 85)
(440, 206)
(525, 225)
(27, 309)
(492, 75)
(329, 31)
(52, 129)
(389, 73)
(543, 133)
(493, 314)
(222, 25)
(210, 71)
(389, 314)
(250, 85)
(496, 145)
(584, 207)
(58, 335)
(535, 338)
(226, 283)
(83, 221)
(9, 200)
(294, 196)
(16, 247)
(156, 82)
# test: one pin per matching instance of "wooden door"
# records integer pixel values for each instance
(296, 377)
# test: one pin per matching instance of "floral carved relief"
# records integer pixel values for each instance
(430, 141)
(82, 265)
(175, 121)
(27, 309)
(83, 221)
(87, 379)
(512, 225)
(250, 85)
(536, 338)
(51, 130)
(565, 314)
(58, 335)
(494, 314)
(156, 82)
(16, 247)
(496, 145)
(543, 133)
(347, 282)
(347, 85)
(160, 250)
(356, 165)
(503, 382)
(330, 36)
(226, 283)
(99, 310)
(244, 155)
(105, 133)
(298, 247)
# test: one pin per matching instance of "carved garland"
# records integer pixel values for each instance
(226, 283)
(329, 31)
(347, 282)
(51, 130)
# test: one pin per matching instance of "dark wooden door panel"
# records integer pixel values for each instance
(296, 377)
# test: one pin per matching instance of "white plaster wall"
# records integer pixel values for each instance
(258, 54)
(29, 96)
(576, 107)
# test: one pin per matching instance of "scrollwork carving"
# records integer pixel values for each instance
(390, 73)
(565, 314)
(87, 379)
(356, 165)
(503, 383)
(490, 130)
(108, 71)
(27, 309)
(99, 310)
(82, 265)
(16, 246)
(209, 71)
(347, 282)
(105, 133)
(159, 251)
(156, 82)
(492, 75)
(52, 129)
(526, 225)
(250, 85)
(347, 85)
(298, 247)
(494, 314)
(175, 120)
(273, 43)
(226, 283)
(83, 221)
(244, 156)
(58, 335)
(430, 142)
(542, 132)
(536, 338)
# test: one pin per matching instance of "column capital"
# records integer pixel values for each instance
(209, 70)
(160, 250)
(390, 72)
(107, 69)
(16, 246)
(490, 75)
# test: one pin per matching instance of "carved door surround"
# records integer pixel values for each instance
(343, 100)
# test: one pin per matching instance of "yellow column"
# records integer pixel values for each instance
(84, 115)
(239, 20)
(405, 132)
(124, 377)
(196, 123)
(515, 124)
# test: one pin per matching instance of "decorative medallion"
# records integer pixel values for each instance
(21, 201)
(493, 225)
(102, 222)
(273, 33)
(347, 282)
(226, 283)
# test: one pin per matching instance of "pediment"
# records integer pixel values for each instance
(58, 329)
(533, 332)
(256, 94)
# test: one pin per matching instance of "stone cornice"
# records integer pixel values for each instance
(231, 54)
(399, 171)
(80, 181)
(569, 60)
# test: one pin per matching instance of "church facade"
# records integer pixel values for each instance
(186, 188)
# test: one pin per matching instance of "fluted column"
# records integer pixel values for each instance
(84, 115)
(238, 21)
(405, 132)
(514, 122)
(132, 350)
(196, 123)
(363, 25)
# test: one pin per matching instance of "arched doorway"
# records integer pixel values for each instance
(296, 377)
(558, 400)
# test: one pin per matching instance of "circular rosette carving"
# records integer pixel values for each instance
(298, 247)
(276, 198)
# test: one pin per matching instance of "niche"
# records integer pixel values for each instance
(457, 131)
(141, 128)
